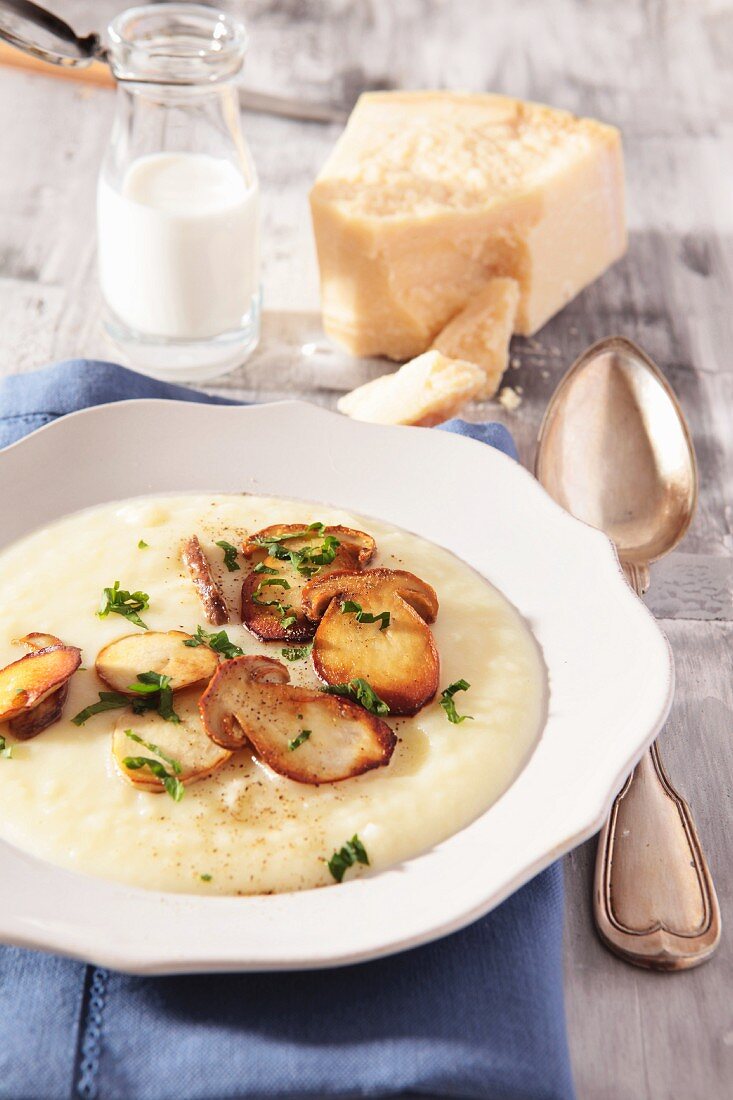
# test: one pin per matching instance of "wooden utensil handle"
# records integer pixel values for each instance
(96, 73)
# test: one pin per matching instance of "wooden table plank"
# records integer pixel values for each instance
(663, 72)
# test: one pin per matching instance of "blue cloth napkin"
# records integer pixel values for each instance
(477, 1015)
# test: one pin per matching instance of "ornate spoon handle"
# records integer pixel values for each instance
(654, 900)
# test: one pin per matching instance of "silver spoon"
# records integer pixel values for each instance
(615, 451)
(41, 34)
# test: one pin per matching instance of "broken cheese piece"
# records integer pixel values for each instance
(425, 391)
(510, 399)
(481, 332)
(428, 195)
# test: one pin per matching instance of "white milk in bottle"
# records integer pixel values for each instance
(178, 198)
(179, 246)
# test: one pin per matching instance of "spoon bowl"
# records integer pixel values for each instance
(614, 450)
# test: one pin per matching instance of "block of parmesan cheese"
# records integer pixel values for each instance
(425, 391)
(482, 330)
(428, 195)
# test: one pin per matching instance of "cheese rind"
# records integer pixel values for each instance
(481, 332)
(428, 195)
(423, 392)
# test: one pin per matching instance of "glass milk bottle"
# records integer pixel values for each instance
(178, 198)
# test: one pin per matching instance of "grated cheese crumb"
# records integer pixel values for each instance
(509, 399)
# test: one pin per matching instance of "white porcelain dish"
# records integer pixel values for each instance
(609, 667)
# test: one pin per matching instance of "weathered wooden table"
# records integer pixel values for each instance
(663, 72)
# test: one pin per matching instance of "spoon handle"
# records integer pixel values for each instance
(654, 900)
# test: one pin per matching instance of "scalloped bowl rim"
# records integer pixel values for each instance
(609, 665)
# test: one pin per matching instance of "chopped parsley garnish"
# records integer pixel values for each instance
(117, 601)
(218, 641)
(277, 605)
(296, 652)
(171, 783)
(362, 616)
(352, 852)
(205, 878)
(142, 545)
(446, 702)
(361, 692)
(278, 582)
(154, 694)
(312, 528)
(108, 700)
(317, 556)
(175, 765)
(169, 779)
(299, 740)
(230, 555)
(155, 683)
(6, 750)
(309, 559)
(262, 568)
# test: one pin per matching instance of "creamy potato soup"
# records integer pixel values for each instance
(248, 828)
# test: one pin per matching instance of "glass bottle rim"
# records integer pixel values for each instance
(176, 43)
